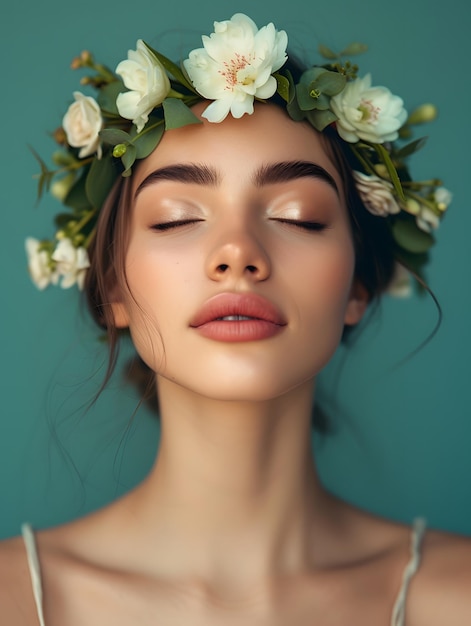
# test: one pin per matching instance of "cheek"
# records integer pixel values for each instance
(159, 285)
(323, 280)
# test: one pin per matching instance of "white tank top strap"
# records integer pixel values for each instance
(418, 531)
(34, 569)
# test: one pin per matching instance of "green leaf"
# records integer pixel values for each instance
(171, 67)
(107, 96)
(354, 48)
(294, 111)
(305, 101)
(128, 159)
(147, 140)
(410, 148)
(177, 114)
(331, 83)
(321, 119)
(77, 198)
(62, 219)
(283, 86)
(386, 159)
(410, 237)
(114, 136)
(45, 177)
(100, 179)
(327, 53)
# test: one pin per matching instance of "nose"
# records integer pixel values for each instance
(238, 255)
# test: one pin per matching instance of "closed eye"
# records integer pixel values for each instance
(173, 224)
(305, 225)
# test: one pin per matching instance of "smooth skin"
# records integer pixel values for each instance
(232, 526)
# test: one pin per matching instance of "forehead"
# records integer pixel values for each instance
(238, 147)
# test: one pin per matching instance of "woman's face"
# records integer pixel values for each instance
(240, 259)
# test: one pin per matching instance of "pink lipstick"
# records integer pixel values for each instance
(236, 317)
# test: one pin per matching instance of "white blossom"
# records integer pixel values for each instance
(370, 113)
(376, 194)
(427, 220)
(82, 123)
(236, 65)
(147, 80)
(71, 263)
(442, 197)
(400, 285)
(39, 264)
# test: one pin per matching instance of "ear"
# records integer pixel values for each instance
(120, 314)
(357, 303)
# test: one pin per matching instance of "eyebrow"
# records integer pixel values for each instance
(269, 174)
(285, 171)
(191, 173)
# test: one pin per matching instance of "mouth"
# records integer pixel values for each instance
(238, 317)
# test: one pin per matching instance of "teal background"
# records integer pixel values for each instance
(403, 430)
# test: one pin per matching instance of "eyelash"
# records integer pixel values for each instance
(174, 224)
(304, 225)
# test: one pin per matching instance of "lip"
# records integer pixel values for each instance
(265, 319)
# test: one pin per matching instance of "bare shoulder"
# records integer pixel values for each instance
(16, 596)
(441, 590)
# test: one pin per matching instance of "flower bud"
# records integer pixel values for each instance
(59, 136)
(382, 170)
(422, 114)
(119, 150)
(412, 206)
(60, 188)
(76, 63)
(86, 56)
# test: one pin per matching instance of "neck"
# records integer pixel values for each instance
(234, 490)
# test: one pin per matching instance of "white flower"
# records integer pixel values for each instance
(427, 220)
(60, 188)
(370, 113)
(82, 123)
(400, 285)
(145, 76)
(39, 264)
(71, 263)
(442, 197)
(236, 65)
(376, 194)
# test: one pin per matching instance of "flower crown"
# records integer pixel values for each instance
(147, 94)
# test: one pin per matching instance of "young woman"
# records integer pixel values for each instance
(237, 252)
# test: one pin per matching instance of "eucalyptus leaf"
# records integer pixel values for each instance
(147, 140)
(177, 114)
(304, 99)
(100, 179)
(283, 86)
(327, 53)
(354, 48)
(321, 119)
(128, 159)
(114, 136)
(294, 111)
(108, 94)
(410, 148)
(331, 83)
(410, 237)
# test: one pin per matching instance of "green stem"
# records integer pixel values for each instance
(83, 222)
